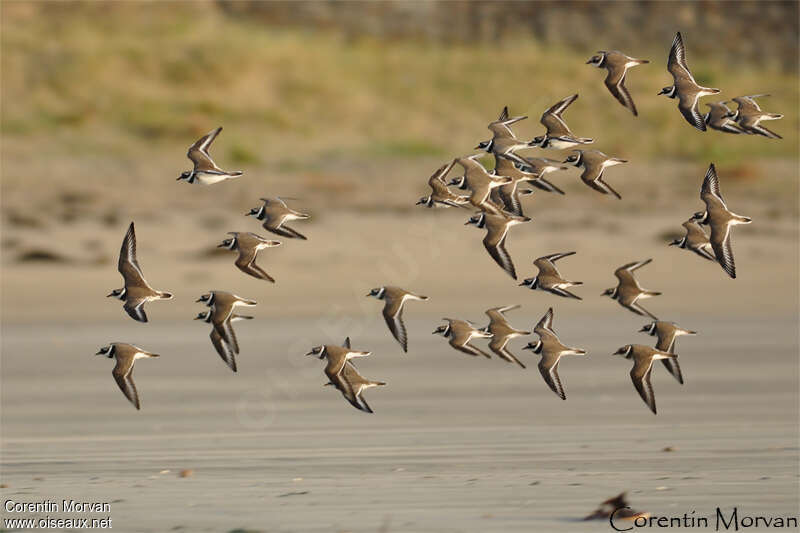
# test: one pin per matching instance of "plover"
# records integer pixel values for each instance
(352, 384)
(720, 118)
(749, 116)
(503, 140)
(643, 357)
(549, 278)
(502, 332)
(558, 134)
(440, 194)
(684, 88)
(394, 298)
(337, 356)
(275, 214)
(460, 333)
(617, 65)
(205, 171)
(695, 240)
(126, 355)
(628, 292)
(594, 163)
(551, 350)
(224, 348)
(221, 316)
(667, 332)
(479, 182)
(539, 167)
(224, 299)
(495, 240)
(720, 220)
(136, 291)
(508, 195)
(248, 245)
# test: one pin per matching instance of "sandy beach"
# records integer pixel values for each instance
(456, 444)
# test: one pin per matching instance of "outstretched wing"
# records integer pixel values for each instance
(198, 152)
(640, 375)
(123, 375)
(128, 265)
(548, 366)
(224, 350)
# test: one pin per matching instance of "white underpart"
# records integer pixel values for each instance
(211, 179)
(559, 144)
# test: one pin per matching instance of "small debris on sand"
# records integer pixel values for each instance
(186, 473)
(295, 493)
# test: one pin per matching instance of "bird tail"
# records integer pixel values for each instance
(165, 295)
(153, 355)
(652, 293)
(377, 383)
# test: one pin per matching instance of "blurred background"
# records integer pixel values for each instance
(348, 107)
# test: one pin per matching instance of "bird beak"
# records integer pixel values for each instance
(273, 243)
(310, 353)
(588, 62)
(99, 353)
(644, 328)
(197, 318)
(248, 214)
(434, 332)
(222, 245)
(178, 178)
(199, 300)
(466, 223)
(109, 295)
(521, 284)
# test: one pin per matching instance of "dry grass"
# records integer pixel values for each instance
(94, 94)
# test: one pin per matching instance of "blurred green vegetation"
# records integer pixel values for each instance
(115, 77)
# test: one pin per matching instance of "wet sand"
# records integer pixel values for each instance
(455, 444)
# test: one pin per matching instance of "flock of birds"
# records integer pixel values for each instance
(496, 197)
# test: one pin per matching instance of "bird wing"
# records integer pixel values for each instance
(548, 366)
(495, 244)
(676, 64)
(224, 349)
(711, 187)
(225, 330)
(640, 375)
(687, 105)
(721, 244)
(551, 119)
(135, 308)
(198, 152)
(615, 81)
(128, 265)
(123, 375)
(393, 314)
